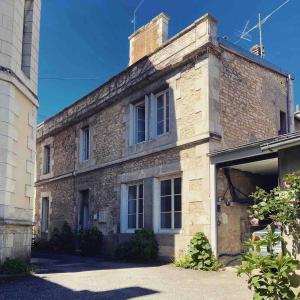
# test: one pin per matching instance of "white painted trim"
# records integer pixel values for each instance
(156, 206)
(213, 208)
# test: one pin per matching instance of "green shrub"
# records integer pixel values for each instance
(90, 241)
(62, 241)
(200, 256)
(67, 239)
(15, 266)
(141, 247)
(268, 275)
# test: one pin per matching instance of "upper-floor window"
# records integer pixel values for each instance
(283, 123)
(140, 122)
(170, 204)
(85, 143)
(162, 112)
(135, 206)
(47, 159)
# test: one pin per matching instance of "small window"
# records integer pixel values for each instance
(135, 211)
(45, 215)
(283, 123)
(47, 159)
(162, 113)
(83, 218)
(140, 122)
(170, 204)
(85, 144)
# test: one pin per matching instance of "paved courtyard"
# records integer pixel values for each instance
(70, 277)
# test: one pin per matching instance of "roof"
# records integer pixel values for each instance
(252, 57)
(257, 148)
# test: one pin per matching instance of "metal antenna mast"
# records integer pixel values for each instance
(245, 34)
(134, 15)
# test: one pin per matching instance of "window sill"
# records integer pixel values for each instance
(169, 231)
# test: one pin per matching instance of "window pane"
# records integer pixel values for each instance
(141, 191)
(177, 220)
(132, 207)
(177, 186)
(160, 115)
(177, 203)
(160, 128)
(141, 225)
(132, 221)
(165, 204)
(165, 187)
(141, 205)
(167, 112)
(165, 220)
(132, 192)
(140, 123)
(45, 214)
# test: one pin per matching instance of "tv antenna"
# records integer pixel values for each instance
(134, 15)
(245, 34)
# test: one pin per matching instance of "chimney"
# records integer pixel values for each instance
(148, 38)
(258, 50)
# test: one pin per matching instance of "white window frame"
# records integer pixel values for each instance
(124, 207)
(157, 205)
(133, 121)
(85, 156)
(47, 159)
(165, 131)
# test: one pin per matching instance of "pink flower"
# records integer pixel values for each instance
(254, 221)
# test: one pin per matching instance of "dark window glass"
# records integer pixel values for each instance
(135, 206)
(166, 221)
(165, 187)
(140, 123)
(177, 220)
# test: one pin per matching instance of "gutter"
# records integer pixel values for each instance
(274, 147)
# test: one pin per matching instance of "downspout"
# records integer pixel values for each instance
(290, 103)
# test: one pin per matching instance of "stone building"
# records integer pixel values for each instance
(19, 40)
(134, 152)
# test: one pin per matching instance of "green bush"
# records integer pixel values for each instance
(90, 241)
(67, 239)
(268, 275)
(200, 256)
(62, 241)
(14, 267)
(141, 247)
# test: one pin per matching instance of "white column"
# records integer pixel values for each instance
(213, 207)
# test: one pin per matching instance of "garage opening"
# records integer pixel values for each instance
(235, 184)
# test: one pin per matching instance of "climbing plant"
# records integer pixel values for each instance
(269, 275)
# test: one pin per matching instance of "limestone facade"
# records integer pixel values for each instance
(208, 87)
(19, 40)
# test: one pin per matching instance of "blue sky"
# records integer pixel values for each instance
(89, 39)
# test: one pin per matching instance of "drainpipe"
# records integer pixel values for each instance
(290, 103)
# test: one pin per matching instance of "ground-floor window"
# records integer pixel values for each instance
(135, 206)
(170, 203)
(45, 215)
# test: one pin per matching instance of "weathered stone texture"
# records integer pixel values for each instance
(62, 204)
(251, 98)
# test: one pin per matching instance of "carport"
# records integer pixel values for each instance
(235, 174)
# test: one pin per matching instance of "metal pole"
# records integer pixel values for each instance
(260, 35)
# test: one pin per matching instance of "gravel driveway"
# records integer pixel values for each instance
(71, 277)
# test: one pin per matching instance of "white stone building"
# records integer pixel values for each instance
(19, 43)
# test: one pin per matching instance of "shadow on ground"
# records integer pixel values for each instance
(47, 263)
(36, 288)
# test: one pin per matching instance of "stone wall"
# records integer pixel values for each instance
(251, 98)
(233, 222)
